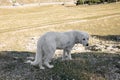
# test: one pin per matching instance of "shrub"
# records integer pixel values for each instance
(87, 2)
(94, 1)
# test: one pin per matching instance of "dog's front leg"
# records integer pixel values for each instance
(69, 55)
(66, 54)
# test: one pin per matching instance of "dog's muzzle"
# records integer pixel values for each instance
(87, 44)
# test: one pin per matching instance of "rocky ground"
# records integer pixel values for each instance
(105, 44)
(109, 44)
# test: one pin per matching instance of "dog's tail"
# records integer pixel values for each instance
(38, 58)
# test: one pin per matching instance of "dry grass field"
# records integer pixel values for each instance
(7, 2)
(17, 25)
(21, 26)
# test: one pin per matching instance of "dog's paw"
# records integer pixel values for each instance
(50, 66)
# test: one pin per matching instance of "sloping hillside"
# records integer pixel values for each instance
(21, 25)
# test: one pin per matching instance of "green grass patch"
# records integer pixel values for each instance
(84, 66)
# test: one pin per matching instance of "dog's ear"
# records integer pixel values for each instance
(78, 37)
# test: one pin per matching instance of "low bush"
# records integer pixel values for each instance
(94, 1)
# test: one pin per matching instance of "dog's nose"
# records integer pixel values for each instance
(87, 44)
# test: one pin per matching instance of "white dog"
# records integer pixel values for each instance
(51, 41)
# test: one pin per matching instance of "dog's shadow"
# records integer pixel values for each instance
(83, 64)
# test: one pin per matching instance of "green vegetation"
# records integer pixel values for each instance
(94, 1)
(84, 66)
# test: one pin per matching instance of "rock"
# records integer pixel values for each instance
(118, 38)
(78, 48)
(95, 47)
(110, 48)
(117, 46)
(16, 4)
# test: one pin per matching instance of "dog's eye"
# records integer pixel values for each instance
(83, 38)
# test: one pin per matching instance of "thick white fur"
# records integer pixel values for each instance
(50, 41)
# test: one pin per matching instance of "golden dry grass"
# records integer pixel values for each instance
(7, 2)
(17, 25)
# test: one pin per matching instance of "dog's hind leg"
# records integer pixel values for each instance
(38, 57)
(47, 60)
(49, 52)
(41, 66)
(64, 54)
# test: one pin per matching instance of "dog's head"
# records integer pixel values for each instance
(83, 38)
